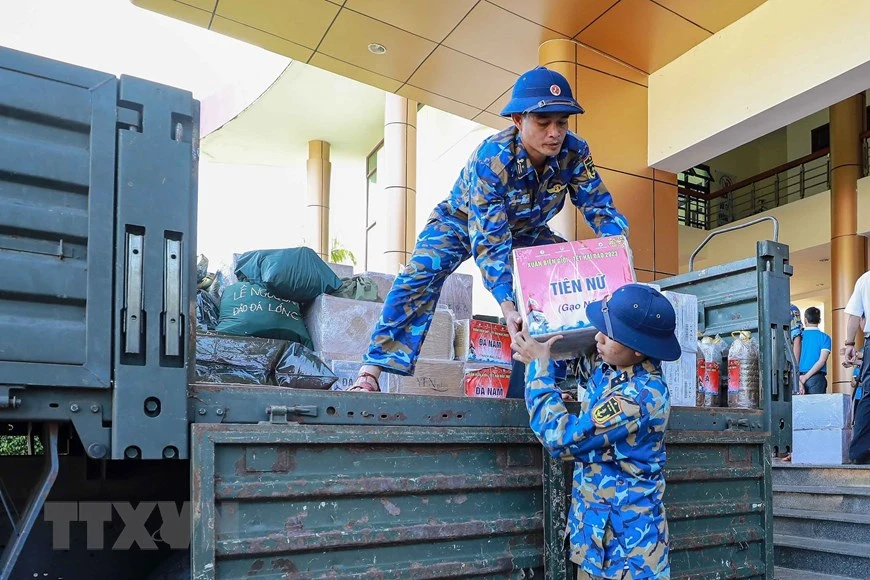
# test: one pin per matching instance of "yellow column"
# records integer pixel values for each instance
(560, 55)
(847, 248)
(317, 208)
(400, 180)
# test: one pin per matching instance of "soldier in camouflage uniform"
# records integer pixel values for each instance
(514, 183)
(616, 526)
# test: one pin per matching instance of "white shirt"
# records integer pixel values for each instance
(859, 303)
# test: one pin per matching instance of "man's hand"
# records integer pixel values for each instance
(849, 354)
(512, 318)
(526, 349)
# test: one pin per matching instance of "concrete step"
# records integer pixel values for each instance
(844, 527)
(813, 554)
(791, 574)
(827, 498)
(841, 475)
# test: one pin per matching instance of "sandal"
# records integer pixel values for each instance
(366, 382)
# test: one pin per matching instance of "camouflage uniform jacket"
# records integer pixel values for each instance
(501, 194)
(617, 525)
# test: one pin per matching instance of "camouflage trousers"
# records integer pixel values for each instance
(442, 246)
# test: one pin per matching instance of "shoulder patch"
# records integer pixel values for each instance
(590, 167)
(606, 410)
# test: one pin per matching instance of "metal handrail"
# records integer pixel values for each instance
(731, 229)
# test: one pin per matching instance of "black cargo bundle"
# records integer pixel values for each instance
(248, 360)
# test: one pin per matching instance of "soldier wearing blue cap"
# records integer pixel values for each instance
(617, 525)
(514, 183)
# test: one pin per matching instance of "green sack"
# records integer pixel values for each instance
(358, 288)
(296, 274)
(251, 310)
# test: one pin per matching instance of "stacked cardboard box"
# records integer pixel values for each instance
(432, 377)
(486, 381)
(341, 325)
(342, 270)
(821, 429)
(341, 331)
(477, 341)
(681, 375)
(456, 294)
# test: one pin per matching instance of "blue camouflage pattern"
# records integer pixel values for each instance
(502, 194)
(497, 204)
(617, 524)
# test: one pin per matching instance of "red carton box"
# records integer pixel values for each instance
(483, 342)
(554, 283)
(487, 382)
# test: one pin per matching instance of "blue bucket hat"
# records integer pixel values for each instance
(542, 90)
(639, 317)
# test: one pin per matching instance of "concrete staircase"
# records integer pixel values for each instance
(821, 519)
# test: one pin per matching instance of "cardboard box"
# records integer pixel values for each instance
(686, 308)
(821, 412)
(490, 382)
(554, 283)
(438, 343)
(341, 270)
(340, 324)
(681, 377)
(482, 342)
(432, 377)
(821, 446)
(383, 281)
(456, 293)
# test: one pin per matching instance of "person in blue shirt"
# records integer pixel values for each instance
(616, 525)
(513, 184)
(815, 350)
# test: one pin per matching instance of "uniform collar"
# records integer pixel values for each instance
(645, 366)
(524, 164)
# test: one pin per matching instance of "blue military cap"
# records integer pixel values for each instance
(542, 90)
(639, 317)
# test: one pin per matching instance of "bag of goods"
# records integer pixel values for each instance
(743, 378)
(297, 274)
(251, 310)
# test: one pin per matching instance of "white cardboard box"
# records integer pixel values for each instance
(439, 340)
(341, 324)
(821, 446)
(456, 294)
(432, 377)
(681, 377)
(821, 412)
(686, 308)
(341, 270)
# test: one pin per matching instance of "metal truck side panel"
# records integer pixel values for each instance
(57, 171)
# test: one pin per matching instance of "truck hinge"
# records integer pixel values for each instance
(7, 399)
(278, 413)
(129, 116)
(741, 425)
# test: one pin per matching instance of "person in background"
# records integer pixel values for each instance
(617, 525)
(856, 308)
(814, 352)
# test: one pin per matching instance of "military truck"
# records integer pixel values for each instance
(132, 470)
